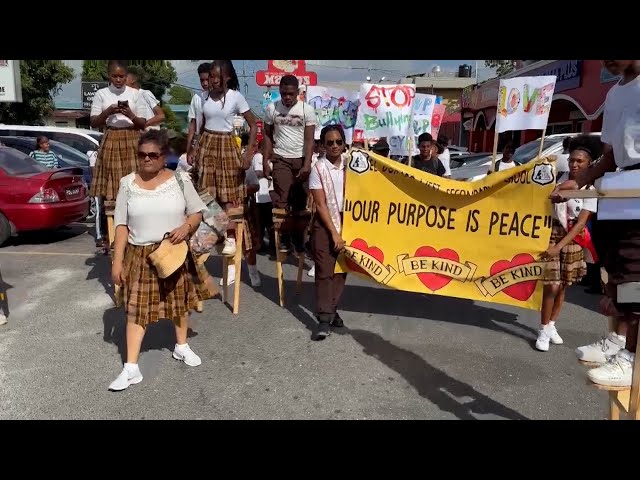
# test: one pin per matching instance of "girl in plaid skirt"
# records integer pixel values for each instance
(151, 203)
(219, 166)
(564, 259)
(121, 110)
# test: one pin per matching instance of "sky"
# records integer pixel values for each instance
(327, 70)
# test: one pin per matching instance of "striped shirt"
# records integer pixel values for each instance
(48, 159)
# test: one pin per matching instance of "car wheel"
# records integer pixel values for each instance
(92, 210)
(5, 229)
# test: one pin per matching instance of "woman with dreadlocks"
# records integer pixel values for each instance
(219, 166)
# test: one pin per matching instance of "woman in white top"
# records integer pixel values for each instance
(326, 183)
(219, 167)
(121, 110)
(564, 259)
(152, 202)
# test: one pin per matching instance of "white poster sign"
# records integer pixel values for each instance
(524, 103)
(10, 85)
(385, 110)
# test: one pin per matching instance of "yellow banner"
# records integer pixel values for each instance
(417, 232)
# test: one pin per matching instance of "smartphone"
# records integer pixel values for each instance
(122, 104)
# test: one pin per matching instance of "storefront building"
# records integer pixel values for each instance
(578, 101)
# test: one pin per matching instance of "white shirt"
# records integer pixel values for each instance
(219, 118)
(337, 175)
(570, 210)
(288, 127)
(149, 102)
(562, 162)
(250, 178)
(445, 159)
(93, 156)
(149, 214)
(105, 97)
(195, 110)
(262, 196)
(506, 165)
(621, 122)
(183, 165)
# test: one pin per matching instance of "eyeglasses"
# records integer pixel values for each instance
(151, 155)
(331, 142)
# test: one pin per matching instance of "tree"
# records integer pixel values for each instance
(41, 81)
(172, 122)
(503, 66)
(155, 75)
(180, 95)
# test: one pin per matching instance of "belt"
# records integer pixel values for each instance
(219, 133)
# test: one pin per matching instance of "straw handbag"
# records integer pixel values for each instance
(168, 258)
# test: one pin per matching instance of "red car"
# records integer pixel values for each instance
(32, 197)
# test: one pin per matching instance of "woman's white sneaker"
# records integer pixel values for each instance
(186, 355)
(130, 375)
(617, 372)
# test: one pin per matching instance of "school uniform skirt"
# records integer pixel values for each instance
(218, 168)
(568, 266)
(148, 298)
(117, 157)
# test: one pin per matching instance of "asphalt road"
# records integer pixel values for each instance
(403, 355)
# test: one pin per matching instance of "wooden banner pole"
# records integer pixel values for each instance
(495, 151)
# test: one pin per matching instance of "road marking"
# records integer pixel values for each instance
(50, 253)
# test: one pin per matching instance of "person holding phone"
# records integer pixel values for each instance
(120, 109)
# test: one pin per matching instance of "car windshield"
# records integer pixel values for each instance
(96, 136)
(476, 161)
(527, 152)
(15, 162)
(69, 155)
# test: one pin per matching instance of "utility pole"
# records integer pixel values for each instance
(244, 77)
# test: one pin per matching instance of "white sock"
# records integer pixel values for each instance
(181, 347)
(131, 367)
(253, 268)
(548, 327)
(552, 324)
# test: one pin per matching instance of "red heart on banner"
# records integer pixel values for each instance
(436, 281)
(521, 291)
(363, 246)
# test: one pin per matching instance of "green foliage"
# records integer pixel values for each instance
(502, 66)
(180, 95)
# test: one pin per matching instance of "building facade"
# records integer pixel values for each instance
(578, 102)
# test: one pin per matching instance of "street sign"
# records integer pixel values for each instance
(89, 89)
(279, 68)
(10, 84)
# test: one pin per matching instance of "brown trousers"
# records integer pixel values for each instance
(329, 285)
(287, 191)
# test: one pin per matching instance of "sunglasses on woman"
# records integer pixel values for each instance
(151, 155)
(330, 143)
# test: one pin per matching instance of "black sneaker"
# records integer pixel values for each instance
(323, 331)
(337, 321)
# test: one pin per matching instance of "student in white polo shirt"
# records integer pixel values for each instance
(153, 112)
(195, 111)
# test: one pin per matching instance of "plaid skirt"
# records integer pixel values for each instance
(218, 168)
(148, 298)
(117, 157)
(569, 266)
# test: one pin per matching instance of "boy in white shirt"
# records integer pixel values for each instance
(153, 111)
(195, 111)
(621, 136)
(289, 139)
